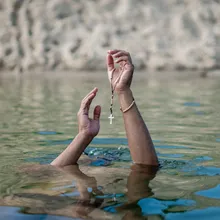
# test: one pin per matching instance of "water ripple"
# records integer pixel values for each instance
(8, 213)
(210, 193)
(212, 213)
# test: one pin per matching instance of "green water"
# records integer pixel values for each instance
(38, 119)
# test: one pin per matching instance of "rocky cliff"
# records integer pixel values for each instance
(59, 34)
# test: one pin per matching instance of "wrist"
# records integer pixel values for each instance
(126, 100)
(85, 137)
(125, 93)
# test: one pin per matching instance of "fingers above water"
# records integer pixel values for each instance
(110, 62)
(86, 102)
(120, 55)
(97, 113)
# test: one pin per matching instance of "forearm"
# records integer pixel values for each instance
(72, 153)
(139, 139)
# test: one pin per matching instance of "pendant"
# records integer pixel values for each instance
(111, 117)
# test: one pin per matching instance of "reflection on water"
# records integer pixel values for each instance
(38, 116)
(15, 214)
(83, 198)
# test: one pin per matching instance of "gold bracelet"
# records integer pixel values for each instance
(128, 108)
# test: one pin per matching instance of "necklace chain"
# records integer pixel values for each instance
(113, 90)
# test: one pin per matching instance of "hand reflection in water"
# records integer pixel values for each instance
(87, 187)
(137, 188)
(48, 191)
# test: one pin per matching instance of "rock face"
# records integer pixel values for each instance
(60, 34)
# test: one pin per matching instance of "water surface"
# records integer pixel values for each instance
(38, 120)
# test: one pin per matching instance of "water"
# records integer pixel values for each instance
(38, 120)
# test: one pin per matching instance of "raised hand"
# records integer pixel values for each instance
(88, 126)
(121, 77)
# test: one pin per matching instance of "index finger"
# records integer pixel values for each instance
(95, 90)
(86, 102)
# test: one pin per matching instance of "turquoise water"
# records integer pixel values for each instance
(38, 120)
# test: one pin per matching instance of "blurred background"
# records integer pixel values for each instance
(75, 34)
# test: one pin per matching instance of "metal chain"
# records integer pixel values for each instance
(112, 90)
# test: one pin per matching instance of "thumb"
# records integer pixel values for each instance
(97, 113)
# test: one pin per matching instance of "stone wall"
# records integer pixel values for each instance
(75, 34)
